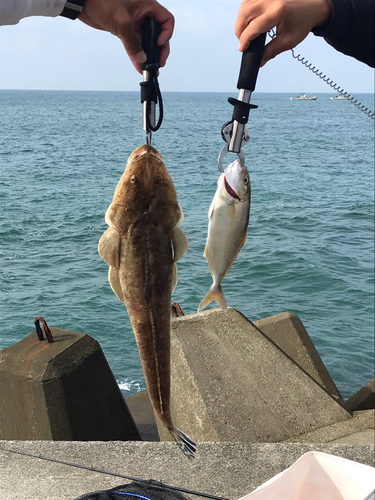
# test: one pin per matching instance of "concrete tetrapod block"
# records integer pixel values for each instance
(143, 415)
(61, 391)
(288, 332)
(232, 383)
(364, 399)
(358, 430)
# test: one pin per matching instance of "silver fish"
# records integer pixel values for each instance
(141, 246)
(228, 220)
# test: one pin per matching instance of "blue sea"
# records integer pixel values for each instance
(310, 243)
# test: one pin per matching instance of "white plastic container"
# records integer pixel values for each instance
(318, 476)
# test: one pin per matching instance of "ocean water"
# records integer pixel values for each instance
(310, 243)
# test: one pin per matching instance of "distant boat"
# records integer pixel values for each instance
(304, 97)
(340, 96)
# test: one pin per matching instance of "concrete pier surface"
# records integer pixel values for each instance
(229, 470)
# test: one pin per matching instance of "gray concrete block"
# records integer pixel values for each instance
(364, 399)
(61, 391)
(230, 382)
(143, 415)
(361, 437)
(228, 470)
(288, 332)
(358, 430)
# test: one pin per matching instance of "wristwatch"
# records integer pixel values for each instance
(72, 9)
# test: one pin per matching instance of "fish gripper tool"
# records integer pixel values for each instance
(150, 91)
(234, 132)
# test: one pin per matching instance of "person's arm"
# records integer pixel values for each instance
(12, 11)
(348, 25)
(350, 29)
(122, 18)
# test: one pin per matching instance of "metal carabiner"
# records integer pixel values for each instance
(226, 134)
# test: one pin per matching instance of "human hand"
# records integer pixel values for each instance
(124, 18)
(294, 19)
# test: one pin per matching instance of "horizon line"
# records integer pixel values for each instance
(173, 91)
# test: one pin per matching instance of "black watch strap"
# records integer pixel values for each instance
(72, 9)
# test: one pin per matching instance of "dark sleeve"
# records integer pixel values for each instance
(351, 29)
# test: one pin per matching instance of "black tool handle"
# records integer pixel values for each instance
(150, 31)
(250, 64)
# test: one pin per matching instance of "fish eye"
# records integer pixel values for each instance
(246, 180)
(159, 179)
(134, 179)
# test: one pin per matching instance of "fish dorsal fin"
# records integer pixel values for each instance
(174, 277)
(114, 281)
(180, 243)
(109, 247)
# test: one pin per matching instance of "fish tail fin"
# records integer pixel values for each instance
(216, 295)
(187, 445)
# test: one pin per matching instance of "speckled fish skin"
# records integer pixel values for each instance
(228, 221)
(141, 246)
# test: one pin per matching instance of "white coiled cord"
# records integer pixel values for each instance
(329, 81)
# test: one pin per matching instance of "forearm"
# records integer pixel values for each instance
(12, 11)
(350, 29)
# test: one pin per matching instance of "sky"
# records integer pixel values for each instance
(60, 54)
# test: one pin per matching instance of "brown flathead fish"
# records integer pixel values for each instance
(141, 246)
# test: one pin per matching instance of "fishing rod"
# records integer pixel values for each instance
(108, 473)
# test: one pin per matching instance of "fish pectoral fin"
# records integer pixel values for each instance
(181, 219)
(174, 277)
(205, 254)
(106, 217)
(231, 211)
(235, 257)
(180, 243)
(109, 247)
(114, 281)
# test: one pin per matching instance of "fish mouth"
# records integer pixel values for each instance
(141, 152)
(146, 150)
(231, 191)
